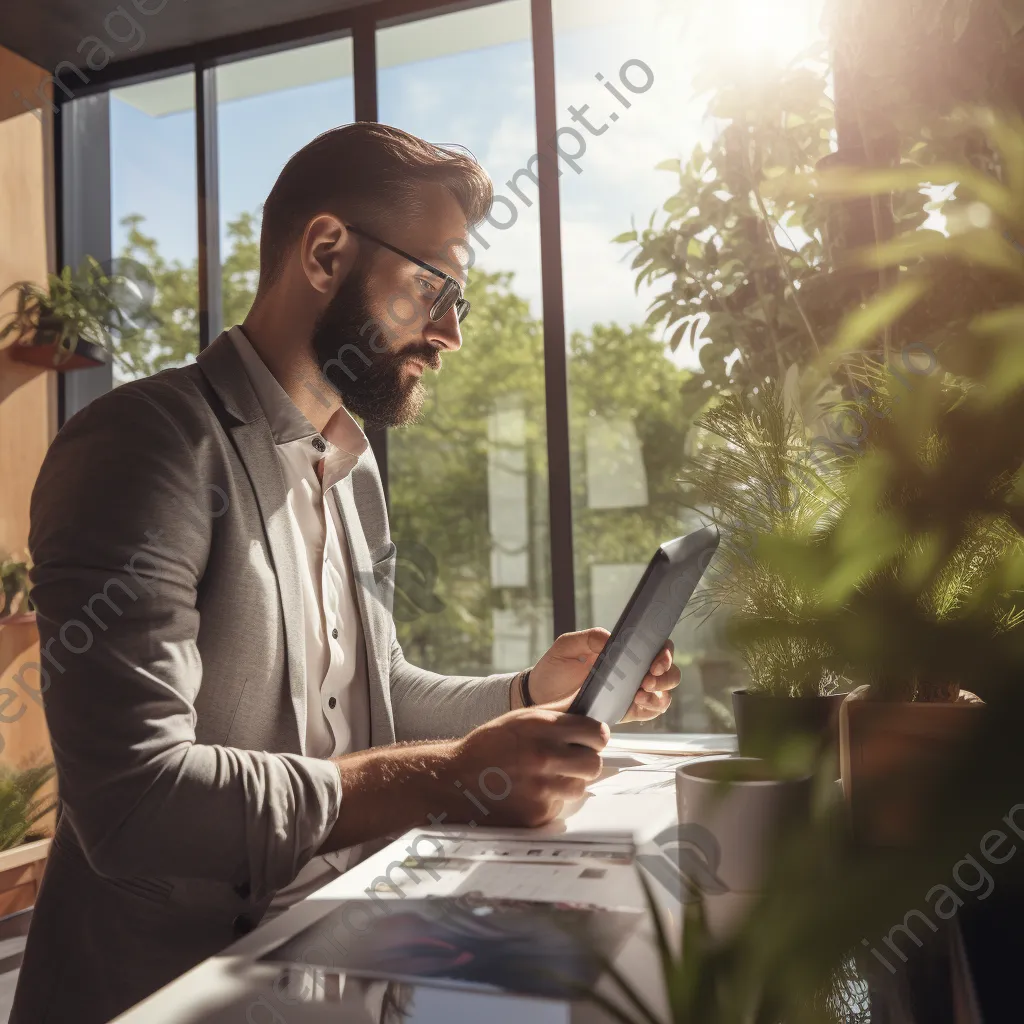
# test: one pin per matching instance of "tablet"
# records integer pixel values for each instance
(645, 626)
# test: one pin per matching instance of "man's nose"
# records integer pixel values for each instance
(446, 331)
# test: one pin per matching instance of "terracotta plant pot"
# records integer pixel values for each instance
(21, 619)
(47, 353)
(39, 344)
(766, 725)
(891, 757)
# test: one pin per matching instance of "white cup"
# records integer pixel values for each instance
(745, 808)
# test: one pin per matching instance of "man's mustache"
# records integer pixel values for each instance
(427, 354)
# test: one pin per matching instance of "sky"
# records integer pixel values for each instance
(483, 98)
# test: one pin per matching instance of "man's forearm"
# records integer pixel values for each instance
(390, 789)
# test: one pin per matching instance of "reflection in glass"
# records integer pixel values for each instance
(371, 1001)
(470, 942)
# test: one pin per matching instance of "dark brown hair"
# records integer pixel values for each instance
(365, 171)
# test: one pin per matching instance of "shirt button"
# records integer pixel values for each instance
(334, 633)
(319, 445)
(332, 703)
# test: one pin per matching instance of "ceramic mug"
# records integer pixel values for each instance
(743, 806)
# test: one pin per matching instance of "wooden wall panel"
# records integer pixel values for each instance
(20, 82)
(28, 406)
(27, 394)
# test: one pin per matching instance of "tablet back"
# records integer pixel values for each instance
(645, 625)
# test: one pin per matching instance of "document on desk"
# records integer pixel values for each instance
(588, 874)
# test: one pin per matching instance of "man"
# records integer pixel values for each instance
(223, 684)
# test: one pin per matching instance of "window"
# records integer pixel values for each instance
(468, 484)
(153, 221)
(268, 107)
(627, 98)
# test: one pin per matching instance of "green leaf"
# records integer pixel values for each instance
(669, 165)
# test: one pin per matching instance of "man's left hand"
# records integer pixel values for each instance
(555, 679)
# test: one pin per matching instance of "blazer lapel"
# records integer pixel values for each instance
(255, 445)
(374, 609)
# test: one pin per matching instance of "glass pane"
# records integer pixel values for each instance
(469, 481)
(267, 108)
(153, 222)
(628, 101)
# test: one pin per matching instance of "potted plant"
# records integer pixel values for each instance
(917, 706)
(755, 474)
(15, 605)
(23, 848)
(920, 575)
(69, 323)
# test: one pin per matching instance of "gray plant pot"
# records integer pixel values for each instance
(767, 725)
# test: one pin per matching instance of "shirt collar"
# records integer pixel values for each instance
(287, 423)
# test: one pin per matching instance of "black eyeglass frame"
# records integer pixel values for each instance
(451, 291)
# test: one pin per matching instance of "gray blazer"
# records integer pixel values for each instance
(168, 605)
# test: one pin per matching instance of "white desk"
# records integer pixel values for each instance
(234, 988)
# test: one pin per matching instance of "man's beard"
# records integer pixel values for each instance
(367, 370)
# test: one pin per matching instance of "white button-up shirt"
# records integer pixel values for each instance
(337, 694)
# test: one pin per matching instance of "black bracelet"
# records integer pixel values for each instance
(524, 689)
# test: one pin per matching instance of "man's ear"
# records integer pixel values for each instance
(327, 252)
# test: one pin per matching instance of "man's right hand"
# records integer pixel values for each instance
(524, 767)
(519, 769)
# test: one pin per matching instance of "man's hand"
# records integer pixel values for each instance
(524, 766)
(555, 679)
(519, 769)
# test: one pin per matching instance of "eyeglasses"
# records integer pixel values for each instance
(451, 291)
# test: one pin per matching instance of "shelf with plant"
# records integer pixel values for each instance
(15, 603)
(21, 807)
(25, 802)
(72, 321)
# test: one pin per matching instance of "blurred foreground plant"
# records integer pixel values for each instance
(921, 576)
(916, 580)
